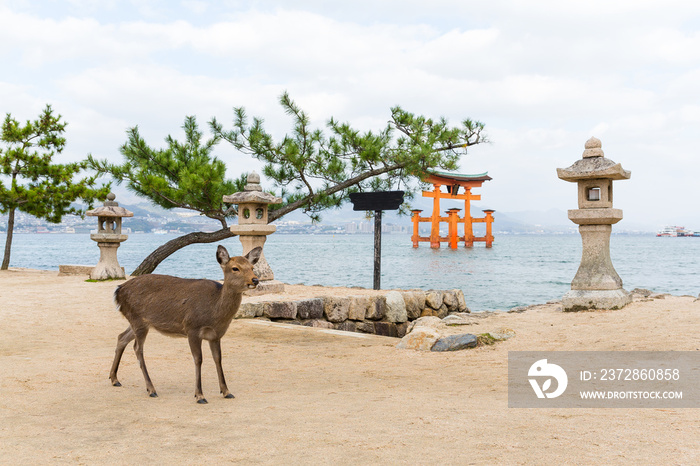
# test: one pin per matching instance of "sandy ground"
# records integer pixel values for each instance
(308, 396)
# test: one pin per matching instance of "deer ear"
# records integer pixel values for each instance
(254, 255)
(222, 255)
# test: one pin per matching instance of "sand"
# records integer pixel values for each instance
(309, 396)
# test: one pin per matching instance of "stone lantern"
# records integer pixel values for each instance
(252, 229)
(108, 236)
(596, 284)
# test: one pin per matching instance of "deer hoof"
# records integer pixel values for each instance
(116, 384)
(230, 395)
(153, 395)
(202, 401)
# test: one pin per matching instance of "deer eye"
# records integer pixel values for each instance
(235, 269)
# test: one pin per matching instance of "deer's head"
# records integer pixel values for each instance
(238, 271)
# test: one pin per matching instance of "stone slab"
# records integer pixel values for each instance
(75, 269)
(583, 300)
(266, 287)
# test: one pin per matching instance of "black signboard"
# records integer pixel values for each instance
(377, 201)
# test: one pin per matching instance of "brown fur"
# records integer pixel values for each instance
(196, 309)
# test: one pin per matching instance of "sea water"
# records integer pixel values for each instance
(518, 270)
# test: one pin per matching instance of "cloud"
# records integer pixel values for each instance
(543, 76)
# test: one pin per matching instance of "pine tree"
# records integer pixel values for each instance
(30, 182)
(312, 171)
(183, 175)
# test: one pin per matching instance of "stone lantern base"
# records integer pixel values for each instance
(583, 300)
(108, 267)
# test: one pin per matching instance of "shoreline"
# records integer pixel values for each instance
(306, 395)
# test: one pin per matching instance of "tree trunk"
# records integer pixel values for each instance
(150, 263)
(8, 240)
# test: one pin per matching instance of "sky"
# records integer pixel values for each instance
(543, 76)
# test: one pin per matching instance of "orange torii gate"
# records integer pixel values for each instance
(452, 182)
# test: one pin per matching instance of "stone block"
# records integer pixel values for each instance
(249, 310)
(310, 308)
(347, 326)
(336, 309)
(402, 329)
(450, 300)
(442, 312)
(366, 326)
(395, 307)
(280, 310)
(462, 302)
(387, 329)
(318, 323)
(455, 342)
(433, 299)
(422, 339)
(377, 308)
(415, 302)
(358, 307)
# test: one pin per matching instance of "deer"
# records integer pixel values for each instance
(198, 309)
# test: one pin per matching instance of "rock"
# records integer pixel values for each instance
(358, 307)
(518, 309)
(455, 342)
(318, 323)
(428, 312)
(455, 319)
(249, 310)
(502, 334)
(658, 296)
(642, 292)
(434, 299)
(310, 308)
(387, 329)
(336, 309)
(377, 308)
(365, 327)
(414, 303)
(395, 307)
(280, 310)
(347, 326)
(401, 329)
(450, 300)
(442, 312)
(421, 338)
(459, 294)
(426, 321)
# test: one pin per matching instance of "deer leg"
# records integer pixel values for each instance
(196, 348)
(215, 346)
(123, 340)
(141, 333)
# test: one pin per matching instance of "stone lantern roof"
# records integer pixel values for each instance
(110, 209)
(593, 165)
(252, 193)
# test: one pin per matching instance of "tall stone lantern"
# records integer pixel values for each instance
(252, 229)
(596, 284)
(108, 236)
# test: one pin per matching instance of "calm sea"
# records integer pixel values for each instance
(518, 270)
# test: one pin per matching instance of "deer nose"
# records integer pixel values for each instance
(256, 281)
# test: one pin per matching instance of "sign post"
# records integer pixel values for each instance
(377, 201)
